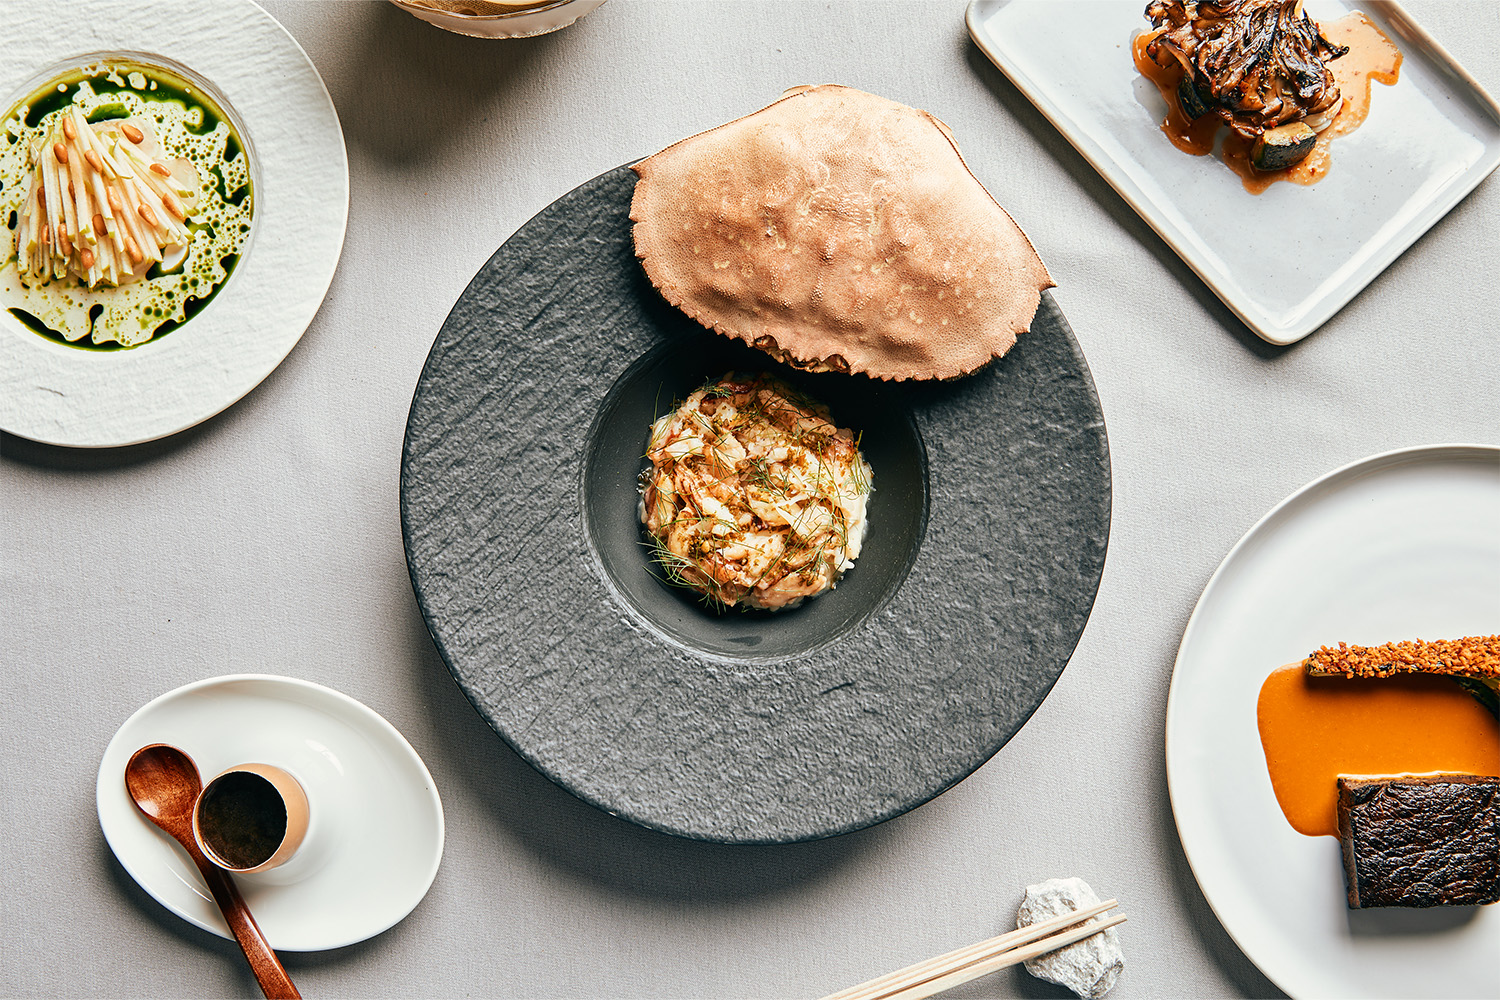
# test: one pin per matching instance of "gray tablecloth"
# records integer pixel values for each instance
(268, 539)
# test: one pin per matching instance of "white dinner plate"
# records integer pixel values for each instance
(1286, 260)
(1402, 545)
(376, 831)
(64, 395)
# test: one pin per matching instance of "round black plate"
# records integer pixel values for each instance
(988, 530)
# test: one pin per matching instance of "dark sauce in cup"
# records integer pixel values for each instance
(242, 819)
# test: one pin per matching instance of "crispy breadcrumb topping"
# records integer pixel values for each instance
(1473, 656)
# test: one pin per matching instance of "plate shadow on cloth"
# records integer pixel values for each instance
(238, 979)
(423, 90)
(168, 923)
(587, 843)
(1214, 940)
(1212, 937)
(1087, 178)
(64, 459)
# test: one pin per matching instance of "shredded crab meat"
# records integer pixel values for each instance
(1259, 63)
(754, 497)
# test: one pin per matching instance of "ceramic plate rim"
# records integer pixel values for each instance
(109, 784)
(1262, 322)
(1368, 464)
(61, 395)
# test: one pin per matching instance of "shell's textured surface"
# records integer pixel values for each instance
(837, 230)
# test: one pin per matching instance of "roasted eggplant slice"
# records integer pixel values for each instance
(1486, 690)
(1192, 103)
(1473, 661)
(1282, 147)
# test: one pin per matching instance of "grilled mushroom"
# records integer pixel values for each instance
(1257, 64)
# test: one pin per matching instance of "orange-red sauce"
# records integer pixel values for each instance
(1371, 56)
(1314, 729)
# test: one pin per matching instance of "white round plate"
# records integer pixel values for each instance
(1401, 545)
(376, 832)
(63, 395)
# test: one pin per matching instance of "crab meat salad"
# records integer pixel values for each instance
(754, 498)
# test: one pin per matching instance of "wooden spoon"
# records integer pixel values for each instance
(164, 783)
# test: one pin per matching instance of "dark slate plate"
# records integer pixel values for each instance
(518, 492)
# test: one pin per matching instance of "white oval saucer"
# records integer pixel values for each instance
(376, 837)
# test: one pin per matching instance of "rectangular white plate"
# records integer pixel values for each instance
(1286, 260)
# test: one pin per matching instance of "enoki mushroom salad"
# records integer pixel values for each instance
(127, 199)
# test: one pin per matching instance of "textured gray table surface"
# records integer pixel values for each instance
(269, 540)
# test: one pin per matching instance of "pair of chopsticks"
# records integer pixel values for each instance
(947, 971)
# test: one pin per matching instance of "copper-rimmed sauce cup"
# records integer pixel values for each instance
(251, 818)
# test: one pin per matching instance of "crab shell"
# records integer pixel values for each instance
(841, 231)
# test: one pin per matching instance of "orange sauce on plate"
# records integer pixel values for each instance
(1371, 57)
(1314, 729)
(1195, 138)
